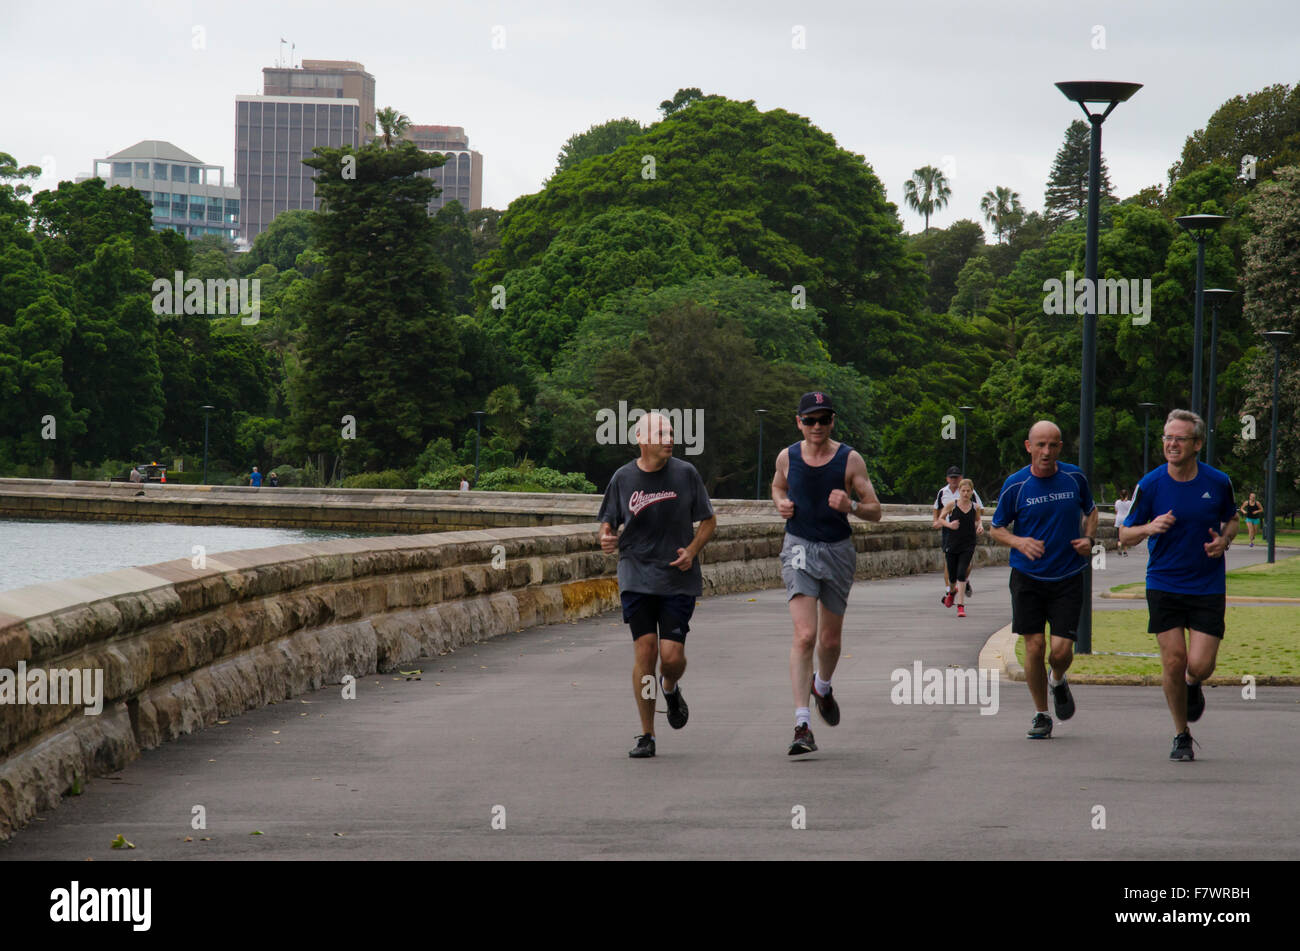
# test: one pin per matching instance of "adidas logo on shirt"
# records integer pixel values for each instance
(1206, 495)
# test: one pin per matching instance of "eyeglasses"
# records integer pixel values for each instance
(815, 420)
(1178, 438)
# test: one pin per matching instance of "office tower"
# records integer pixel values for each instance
(187, 194)
(322, 103)
(461, 177)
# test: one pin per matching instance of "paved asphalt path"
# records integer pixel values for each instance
(540, 722)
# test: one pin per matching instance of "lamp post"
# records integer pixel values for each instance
(1199, 227)
(1276, 338)
(758, 474)
(478, 437)
(206, 410)
(1146, 432)
(964, 411)
(1084, 93)
(1217, 296)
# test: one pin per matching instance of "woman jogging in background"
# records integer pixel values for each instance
(961, 517)
(1122, 506)
(1252, 512)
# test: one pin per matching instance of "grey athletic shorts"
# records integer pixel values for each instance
(822, 570)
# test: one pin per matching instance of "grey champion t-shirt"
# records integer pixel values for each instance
(659, 510)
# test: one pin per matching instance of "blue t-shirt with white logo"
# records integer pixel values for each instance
(1177, 561)
(1049, 510)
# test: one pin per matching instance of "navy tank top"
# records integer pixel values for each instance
(810, 489)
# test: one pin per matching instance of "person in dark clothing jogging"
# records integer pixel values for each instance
(818, 559)
(961, 517)
(657, 499)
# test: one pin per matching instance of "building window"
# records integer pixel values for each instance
(178, 173)
(141, 169)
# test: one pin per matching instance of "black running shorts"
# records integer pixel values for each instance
(1197, 612)
(669, 614)
(1035, 602)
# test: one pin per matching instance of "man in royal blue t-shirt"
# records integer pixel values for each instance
(1047, 501)
(1186, 511)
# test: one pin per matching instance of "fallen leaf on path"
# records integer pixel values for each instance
(121, 843)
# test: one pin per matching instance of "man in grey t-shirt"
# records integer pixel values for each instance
(656, 499)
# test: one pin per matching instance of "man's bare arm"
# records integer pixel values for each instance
(868, 504)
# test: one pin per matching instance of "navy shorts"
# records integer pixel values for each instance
(667, 614)
(1196, 612)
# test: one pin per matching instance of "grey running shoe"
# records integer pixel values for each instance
(1182, 748)
(1195, 702)
(645, 747)
(1041, 728)
(803, 741)
(678, 712)
(1063, 700)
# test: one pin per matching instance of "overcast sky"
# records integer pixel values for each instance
(966, 86)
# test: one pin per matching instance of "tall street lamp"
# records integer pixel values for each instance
(478, 437)
(1146, 432)
(1199, 227)
(1084, 93)
(206, 410)
(1276, 338)
(758, 474)
(964, 411)
(1217, 296)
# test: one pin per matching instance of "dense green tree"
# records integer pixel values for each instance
(768, 189)
(1264, 124)
(377, 343)
(586, 263)
(600, 139)
(286, 237)
(945, 251)
(974, 286)
(454, 246)
(1271, 282)
(1067, 185)
(682, 99)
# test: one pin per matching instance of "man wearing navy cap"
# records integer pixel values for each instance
(811, 489)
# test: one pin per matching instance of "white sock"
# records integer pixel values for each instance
(801, 716)
(1041, 712)
(1052, 681)
(665, 689)
(821, 686)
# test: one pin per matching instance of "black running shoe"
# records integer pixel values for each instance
(969, 589)
(1195, 702)
(678, 712)
(803, 741)
(827, 708)
(1182, 748)
(1063, 700)
(1041, 728)
(645, 747)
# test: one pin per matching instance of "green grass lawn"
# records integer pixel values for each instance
(1278, 580)
(1262, 640)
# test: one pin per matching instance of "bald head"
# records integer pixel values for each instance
(1044, 429)
(653, 429)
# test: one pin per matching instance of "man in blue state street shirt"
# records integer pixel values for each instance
(1047, 501)
(1186, 511)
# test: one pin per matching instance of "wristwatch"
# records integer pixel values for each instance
(853, 506)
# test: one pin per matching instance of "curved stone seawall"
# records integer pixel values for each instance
(181, 647)
(369, 510)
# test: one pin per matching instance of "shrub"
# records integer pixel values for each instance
(387, 479)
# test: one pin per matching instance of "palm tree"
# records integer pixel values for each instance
(1001, 209)
(393, 123)
(926, 192)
